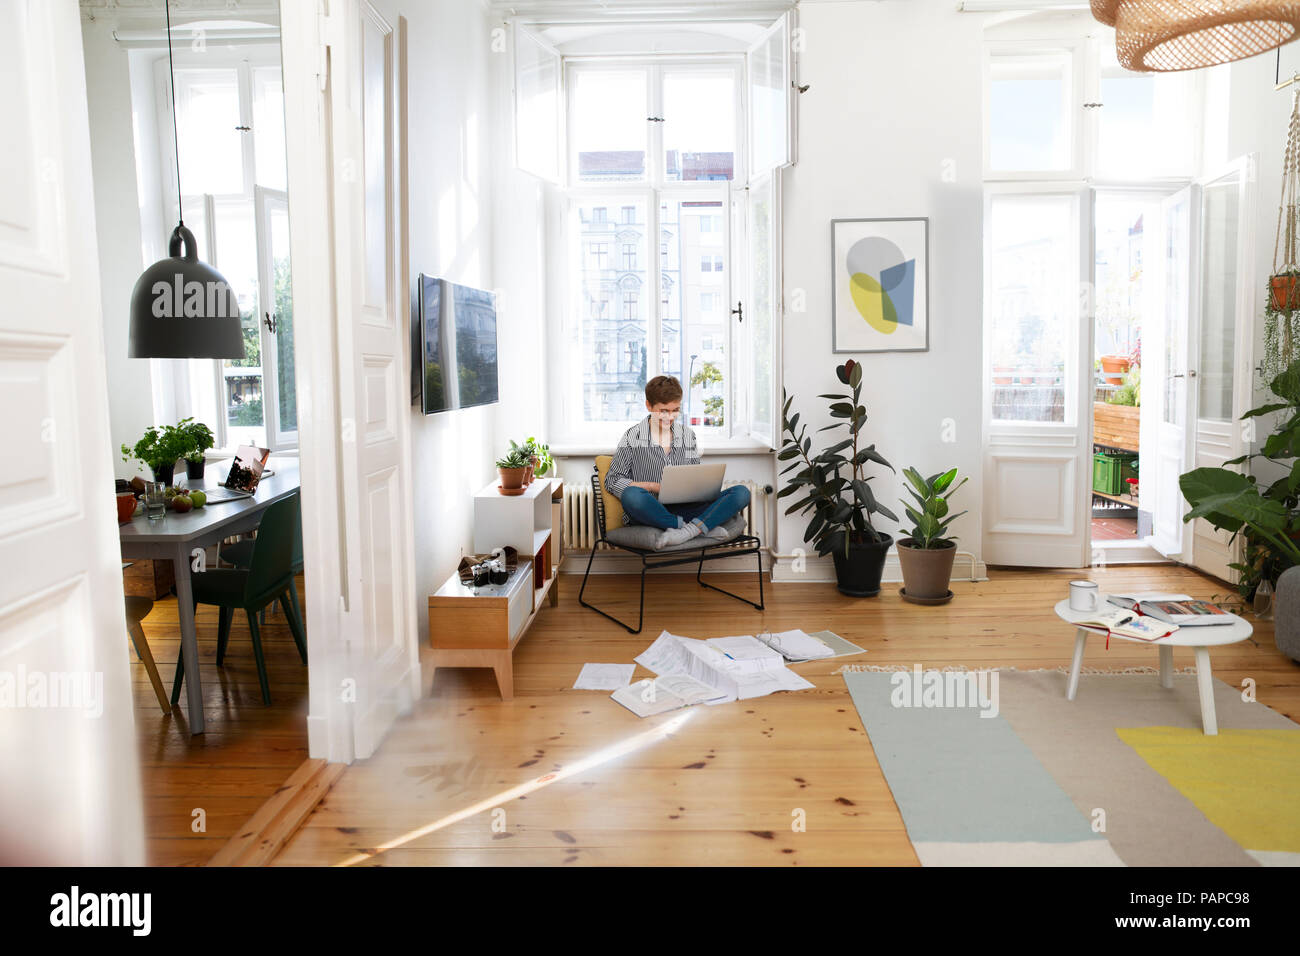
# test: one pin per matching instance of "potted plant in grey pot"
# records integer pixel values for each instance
(836, 489)
(926, 556)
(201, 439)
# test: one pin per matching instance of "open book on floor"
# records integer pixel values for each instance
(646, 698)
(1174, 609)
(1126, 623)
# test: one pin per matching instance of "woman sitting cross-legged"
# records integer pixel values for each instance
(660, 439)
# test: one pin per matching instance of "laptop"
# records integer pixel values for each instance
(245, 472)
(683, 483)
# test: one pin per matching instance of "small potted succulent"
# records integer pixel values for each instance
(926, 556)
(159, 449)
(528, 449)
(201, 439)
(512, 469)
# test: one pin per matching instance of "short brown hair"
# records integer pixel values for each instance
(663, 389)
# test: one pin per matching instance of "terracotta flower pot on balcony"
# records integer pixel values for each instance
(1114, 367)
(999, 378)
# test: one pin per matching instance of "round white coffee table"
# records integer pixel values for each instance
(1199, 639)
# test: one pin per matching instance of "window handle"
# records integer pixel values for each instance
(739, 312)
(270, 322)
(654, 119)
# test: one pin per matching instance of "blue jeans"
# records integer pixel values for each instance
(644, 508)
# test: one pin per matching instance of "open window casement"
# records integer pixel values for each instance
(539, 99)
(769, 71)
(758, 323)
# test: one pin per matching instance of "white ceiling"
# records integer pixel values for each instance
(614, 11)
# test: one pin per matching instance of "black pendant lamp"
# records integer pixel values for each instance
(181, 307)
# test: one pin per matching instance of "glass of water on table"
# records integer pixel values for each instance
(155, 499)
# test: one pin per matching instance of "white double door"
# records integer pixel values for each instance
(344, 118)
(1197, 330)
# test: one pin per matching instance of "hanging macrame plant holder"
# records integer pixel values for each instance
(1282, 329)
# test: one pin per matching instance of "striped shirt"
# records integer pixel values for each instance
(640, 458)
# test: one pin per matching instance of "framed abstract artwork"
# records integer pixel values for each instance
(879, 285)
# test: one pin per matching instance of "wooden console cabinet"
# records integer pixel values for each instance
(479, 627)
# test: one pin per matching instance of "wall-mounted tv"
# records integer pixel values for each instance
(456, 358)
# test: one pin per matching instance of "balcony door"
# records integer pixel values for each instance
(1037, 348)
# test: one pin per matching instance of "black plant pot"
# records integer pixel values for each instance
(194, 469)
(164, 473)
(858, 575)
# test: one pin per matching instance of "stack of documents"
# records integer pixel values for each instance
(716, 671)
(796, 645)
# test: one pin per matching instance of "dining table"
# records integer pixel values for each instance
(183, 538)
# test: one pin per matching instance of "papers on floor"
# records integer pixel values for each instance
(649, 697)
(796, 645)
(604, 676)
(716, 671)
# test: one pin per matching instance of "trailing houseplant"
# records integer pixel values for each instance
(539, 457)
(159, 449)
(926, 555)
(836, 489)
(542, 453)
(1267, 517)
(201, 439)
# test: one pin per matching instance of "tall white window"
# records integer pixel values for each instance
(667, 180)
(230, 113)
(657, 155)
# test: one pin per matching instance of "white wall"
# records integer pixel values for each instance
(891, 127)
(1257, 122)
(468, 210)
(117, 226)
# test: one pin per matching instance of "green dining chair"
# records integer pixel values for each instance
(241, 552)
(267, 579)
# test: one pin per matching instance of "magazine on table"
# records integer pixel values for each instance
(1177, 609)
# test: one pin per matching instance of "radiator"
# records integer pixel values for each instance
(580, 527)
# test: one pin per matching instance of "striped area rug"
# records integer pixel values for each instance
(999, 769)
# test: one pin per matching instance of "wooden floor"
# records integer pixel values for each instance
(463, 780)
(248, 749)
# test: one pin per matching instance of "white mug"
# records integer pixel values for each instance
(1084, 596)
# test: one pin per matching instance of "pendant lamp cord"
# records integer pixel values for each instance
(176, 135)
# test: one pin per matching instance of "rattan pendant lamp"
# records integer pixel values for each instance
(181, 307)
(1164, 35)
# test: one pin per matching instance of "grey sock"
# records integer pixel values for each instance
(674, 536)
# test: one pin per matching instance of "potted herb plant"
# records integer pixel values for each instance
(512, 469)
(201, 439)
(926, 556)
(836, 489)
(159, 449)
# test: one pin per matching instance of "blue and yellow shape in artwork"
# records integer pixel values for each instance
(882, 283)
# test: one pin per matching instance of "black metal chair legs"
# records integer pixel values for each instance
(704, 555)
